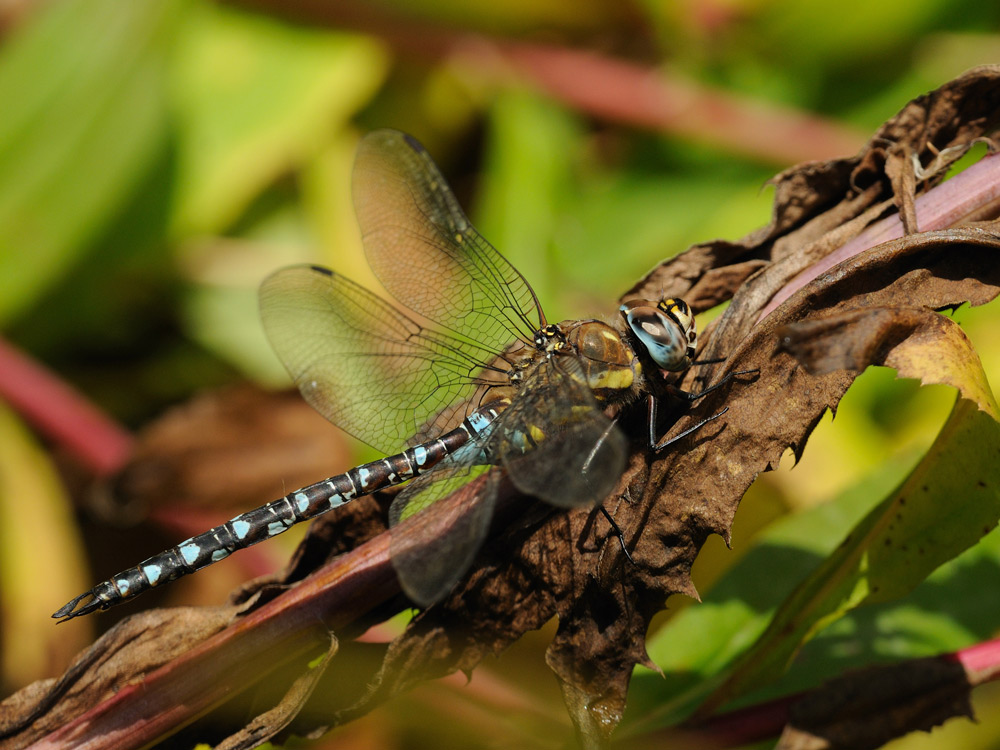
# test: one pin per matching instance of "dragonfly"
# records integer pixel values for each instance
(464, 370)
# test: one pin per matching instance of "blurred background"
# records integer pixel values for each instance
(158, 159)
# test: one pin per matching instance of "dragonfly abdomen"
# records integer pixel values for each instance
(269, 520)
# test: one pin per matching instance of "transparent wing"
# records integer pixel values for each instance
(427, 254)
(555, 442)
(431, 562)
(361, 363)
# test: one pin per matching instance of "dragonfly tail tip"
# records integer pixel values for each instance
(69, 610)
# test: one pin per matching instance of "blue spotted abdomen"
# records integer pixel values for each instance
(272, 519)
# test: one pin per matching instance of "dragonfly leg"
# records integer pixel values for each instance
(615, 528)
(691, 397)
(657, 447)
(618, 533)
(655, 444)
(598, 444)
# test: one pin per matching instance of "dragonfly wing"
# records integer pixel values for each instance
(431, 558)
(555, 442)
(419, 242)
(360, 362)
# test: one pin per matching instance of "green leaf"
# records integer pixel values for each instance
(528, 179)
(946, 505)
(255, 99)
(41, 560)
(623, 223)
(83, 86)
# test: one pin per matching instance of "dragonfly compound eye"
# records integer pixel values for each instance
(666, 331)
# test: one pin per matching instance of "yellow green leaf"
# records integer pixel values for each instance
(83, 87)
(256, 98)
(949, 502)
(40, 559)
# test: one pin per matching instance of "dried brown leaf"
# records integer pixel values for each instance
(224, 449)
(867, 708)
(133, 648)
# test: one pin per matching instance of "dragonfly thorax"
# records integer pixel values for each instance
(666, 331)
(609, 366)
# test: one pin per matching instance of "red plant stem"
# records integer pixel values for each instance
(945, 206)
(611, 89)
(293, 624)
(236, 658)
(656, 99)
(62, 413)
(746, 725)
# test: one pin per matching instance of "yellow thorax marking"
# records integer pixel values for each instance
(617, 378)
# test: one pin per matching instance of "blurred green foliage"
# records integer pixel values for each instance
(159, 158)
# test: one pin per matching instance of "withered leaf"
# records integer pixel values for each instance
(223, 451)
(133, 648)
(867, 708)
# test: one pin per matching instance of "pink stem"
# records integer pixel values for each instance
(654, 98)
(754, 723)
(944, 206)
(62, 413)
(645, 96)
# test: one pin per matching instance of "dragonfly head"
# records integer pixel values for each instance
(550, 338)
(665, 329)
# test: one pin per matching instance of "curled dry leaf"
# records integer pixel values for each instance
(542, 563)
(867, 708)
(125, 654)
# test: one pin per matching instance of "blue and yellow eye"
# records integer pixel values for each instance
(666, 331)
